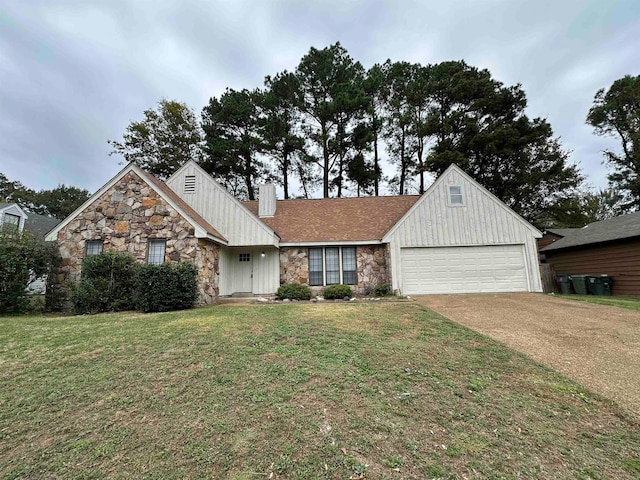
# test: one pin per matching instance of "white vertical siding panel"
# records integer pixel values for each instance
(210, 200)
(481, 221)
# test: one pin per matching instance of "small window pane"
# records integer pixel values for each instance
(349, 276)
(315, 266)
(455, 195)
(11, 222)
(156, 251)
(94, 247)
(332, 255)
(245, 257)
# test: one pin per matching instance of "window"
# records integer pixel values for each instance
(94, 247)
(11, 222)
(315, 266)
(245, 257)
(349, 275)
(455, 195)
(332, 265)
(156, 251)
(190, 184)
(332, 256)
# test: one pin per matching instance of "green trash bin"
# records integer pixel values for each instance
(600, 285)
(580, 284)
(564, 283)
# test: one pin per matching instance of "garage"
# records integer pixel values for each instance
(473, 269)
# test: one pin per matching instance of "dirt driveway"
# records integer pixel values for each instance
(595, 345)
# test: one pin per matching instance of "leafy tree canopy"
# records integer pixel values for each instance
(163, 141)
(616, 112)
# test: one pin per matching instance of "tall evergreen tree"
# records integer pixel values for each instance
(234, 139)
(616, 113)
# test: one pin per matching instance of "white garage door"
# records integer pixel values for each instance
(496, 268)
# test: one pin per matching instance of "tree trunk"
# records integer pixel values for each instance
(285, 175)
(325, 154)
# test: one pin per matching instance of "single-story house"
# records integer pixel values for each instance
(455, 238)
(608, 247)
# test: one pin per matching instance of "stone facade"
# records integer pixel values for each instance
(125, 217)
(371, 262)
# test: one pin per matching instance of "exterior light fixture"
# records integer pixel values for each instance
(263, 255)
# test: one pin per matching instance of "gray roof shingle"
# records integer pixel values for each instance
(618, 228)
(40, 225)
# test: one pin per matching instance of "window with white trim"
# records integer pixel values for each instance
(11, 222)
(332, 265)
(156, 251)
(455, 195)
(93, 247)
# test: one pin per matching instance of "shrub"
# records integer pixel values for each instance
(21, 257)
(382, 290)
(333, 292)
(294, 291)
(169, 286)
(107, 283)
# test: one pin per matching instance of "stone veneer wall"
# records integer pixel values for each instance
(124, 218)
(371, 262)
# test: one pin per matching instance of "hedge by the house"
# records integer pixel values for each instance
(170, 286)
(107, 283)
(382, 290)
(294, 291)
(335, 292)
(115, 281)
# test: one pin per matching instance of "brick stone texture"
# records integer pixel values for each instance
(372, 265)
(125, 217)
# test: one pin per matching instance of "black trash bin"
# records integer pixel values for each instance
(564, 283)
(580, 284)
(600, 284)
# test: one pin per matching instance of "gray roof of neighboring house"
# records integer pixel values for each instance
(562, 232)
(617, 228)
(40, 225)
(4, 204)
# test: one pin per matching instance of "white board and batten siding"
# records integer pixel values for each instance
(479, 246)
(219, 207)
(265, 271)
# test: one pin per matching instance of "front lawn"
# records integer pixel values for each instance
(628, 302)
(293, 391)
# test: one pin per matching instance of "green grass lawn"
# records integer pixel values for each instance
(293, 391)
(629, 302)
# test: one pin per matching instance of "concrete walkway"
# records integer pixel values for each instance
(595, 345)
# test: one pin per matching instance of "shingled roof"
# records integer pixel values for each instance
(40, 225)
(336, 219)
(618, 228)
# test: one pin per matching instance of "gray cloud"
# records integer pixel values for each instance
(75, 73)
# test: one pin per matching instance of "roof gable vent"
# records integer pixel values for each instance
(190, 184)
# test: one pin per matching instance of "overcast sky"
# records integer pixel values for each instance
(73, 74)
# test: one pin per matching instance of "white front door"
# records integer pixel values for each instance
(243, 278)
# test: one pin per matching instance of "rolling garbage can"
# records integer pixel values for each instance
(564, 283)
(580, 284)
(600, 284)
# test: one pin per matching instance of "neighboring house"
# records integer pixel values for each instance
(455, 238)
(14, 218)
(608, 247)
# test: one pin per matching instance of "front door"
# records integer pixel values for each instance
(243, 280)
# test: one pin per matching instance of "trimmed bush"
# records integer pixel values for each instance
(169, 286)
(107, 283)
(334, 292)
(294, 291)
(382, 290)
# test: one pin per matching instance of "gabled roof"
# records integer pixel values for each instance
(562, 232)
(443, 178)
(202, 227)
(617, 228)
(354, 219)
(40, 225)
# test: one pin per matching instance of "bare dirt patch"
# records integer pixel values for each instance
(596, 345)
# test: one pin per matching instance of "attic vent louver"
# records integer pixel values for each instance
(190, 184)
